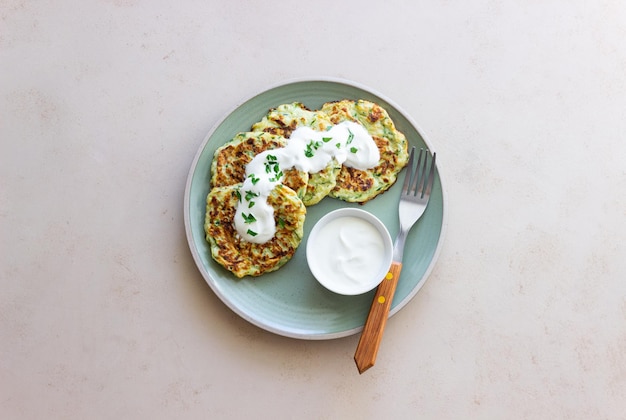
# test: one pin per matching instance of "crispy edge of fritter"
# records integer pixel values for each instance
(226, 170)
(230, 159)
(285, 118)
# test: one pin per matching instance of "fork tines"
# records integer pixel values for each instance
(419, 180)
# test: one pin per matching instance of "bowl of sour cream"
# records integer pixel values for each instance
(349, 251)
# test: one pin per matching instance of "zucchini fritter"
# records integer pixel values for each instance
(244, 258)
(356, 185)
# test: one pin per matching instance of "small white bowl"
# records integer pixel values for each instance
(349, 251)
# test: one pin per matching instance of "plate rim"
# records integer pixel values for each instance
(189, 234)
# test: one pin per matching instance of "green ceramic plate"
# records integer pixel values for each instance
(290, 301)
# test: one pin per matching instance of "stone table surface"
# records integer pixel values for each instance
(103, 312)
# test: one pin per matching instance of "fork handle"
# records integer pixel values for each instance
(372, 334)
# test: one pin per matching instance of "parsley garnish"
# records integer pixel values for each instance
(353, 149)
(350, 137)
(253, 178)
(276, 178)
(311, 148)
(250, 195)
(248, 218)
(271, 164)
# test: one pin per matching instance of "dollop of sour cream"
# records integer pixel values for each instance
(348, 255)
(307, 150)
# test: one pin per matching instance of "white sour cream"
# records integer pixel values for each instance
(348, 254)
(307, 150)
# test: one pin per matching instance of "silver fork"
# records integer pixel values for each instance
(418, 184)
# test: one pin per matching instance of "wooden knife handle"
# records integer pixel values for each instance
(372, 334)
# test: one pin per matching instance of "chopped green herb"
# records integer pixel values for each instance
(271, 164)
(326, 139)
(338, 145)
(251, 204)
(238, 194)
(252, 233)
(250, 195)
(353, 149)
(311, 148)
(350, 137)
(277, 177)
(281, 223)
(253, 178)
(248, 218)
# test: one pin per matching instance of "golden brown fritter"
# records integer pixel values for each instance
(362, 185)
(244, 258)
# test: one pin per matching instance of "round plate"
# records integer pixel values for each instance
(289, 301)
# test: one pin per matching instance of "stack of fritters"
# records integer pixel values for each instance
(299, 189)
(283, 120)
